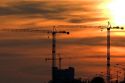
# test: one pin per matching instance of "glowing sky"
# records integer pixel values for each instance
(22, 54)
(46, 11)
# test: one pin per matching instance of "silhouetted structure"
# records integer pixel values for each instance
(65, 76)
(97, 80)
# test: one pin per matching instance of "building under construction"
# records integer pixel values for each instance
(63, 75)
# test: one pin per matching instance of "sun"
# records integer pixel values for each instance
(117, 11)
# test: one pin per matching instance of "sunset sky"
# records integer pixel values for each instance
(22, 54)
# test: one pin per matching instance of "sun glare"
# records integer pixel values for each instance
(117, 11)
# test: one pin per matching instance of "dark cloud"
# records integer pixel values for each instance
(58, 10)
(76, 20)
(86, 19)
(40, 7)
(24, 43)
(19, 8)
(95, 41)
(90, 41)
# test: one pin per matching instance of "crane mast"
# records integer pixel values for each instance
(54, 33)
(109, 27)
(53, 49)
(108, 54)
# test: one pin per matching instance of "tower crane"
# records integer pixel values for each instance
(109, 27)
(53, 32)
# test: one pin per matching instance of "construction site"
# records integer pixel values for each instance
(62, 41)
(67, 75)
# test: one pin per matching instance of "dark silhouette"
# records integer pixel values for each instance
(65, 76)
(122, 82)
(97, 80)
